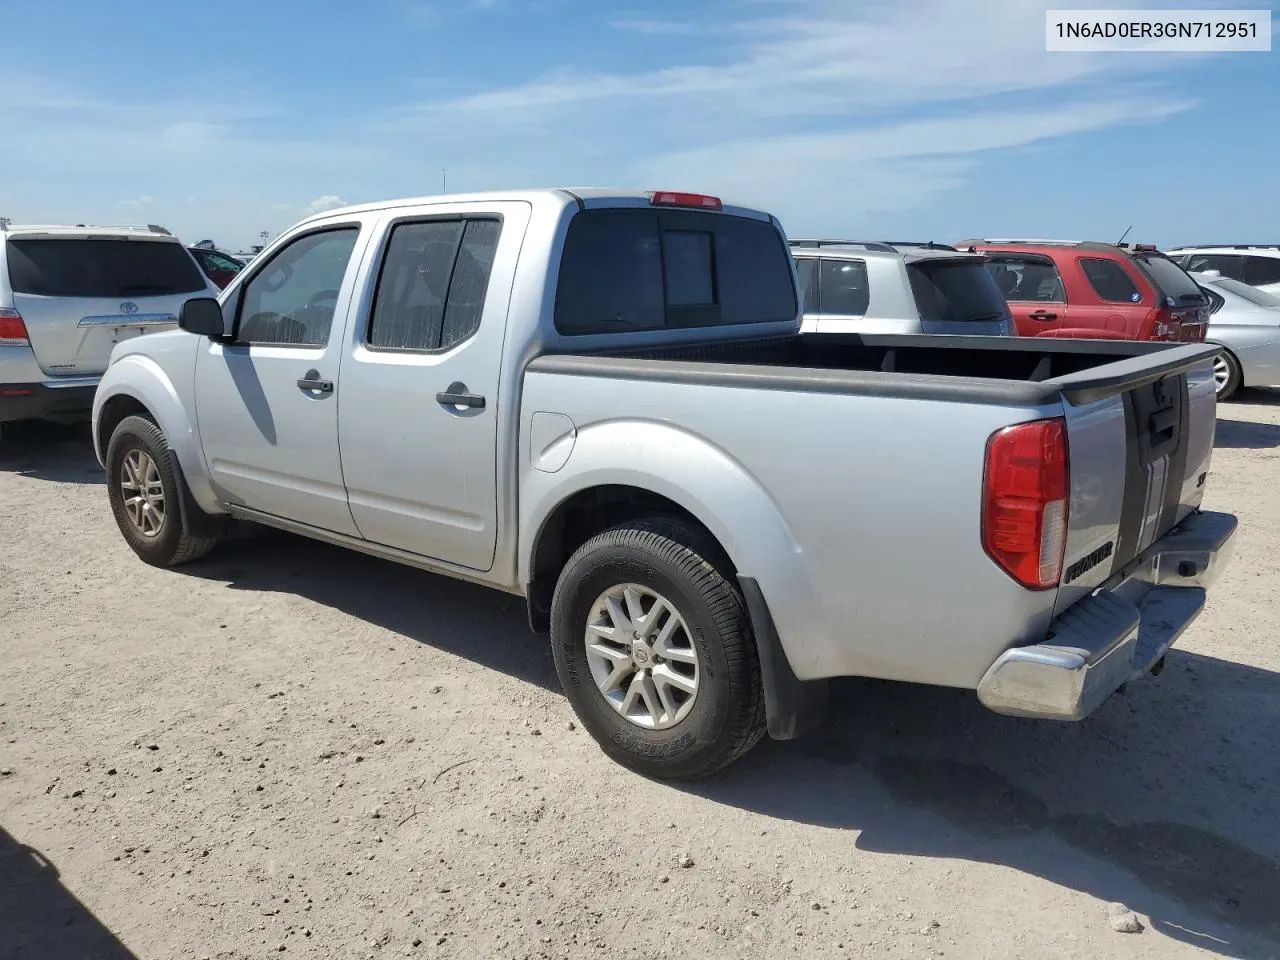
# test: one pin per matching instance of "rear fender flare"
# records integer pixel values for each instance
(704, 480)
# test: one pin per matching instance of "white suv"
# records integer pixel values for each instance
(1258, 266)
(70, 294)
(856, 286)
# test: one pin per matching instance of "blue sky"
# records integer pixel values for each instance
(929, 119)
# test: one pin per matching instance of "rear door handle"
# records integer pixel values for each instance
(1042, 315)
(459, 396)
(311, 383)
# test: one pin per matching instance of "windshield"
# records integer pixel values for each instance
(950, 292)
(121, 268)
(1170, 280)
(1252, 294)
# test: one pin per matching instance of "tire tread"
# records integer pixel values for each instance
(187, 548)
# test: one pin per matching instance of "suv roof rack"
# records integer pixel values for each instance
(1027, 240)
(140, 228)
(863, 244)
(922, 244)
(1227, 246)
(1080, 244)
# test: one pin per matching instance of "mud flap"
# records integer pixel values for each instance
(793, 706)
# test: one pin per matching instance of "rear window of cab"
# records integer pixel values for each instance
(641, 269)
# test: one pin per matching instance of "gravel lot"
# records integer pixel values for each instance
(289, 748)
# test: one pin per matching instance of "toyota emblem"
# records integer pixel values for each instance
(129, 308)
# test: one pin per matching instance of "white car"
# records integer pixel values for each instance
(1246, 321)
(1258, 266)
(70, 294)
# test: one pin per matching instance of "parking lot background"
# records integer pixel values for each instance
(289, 747)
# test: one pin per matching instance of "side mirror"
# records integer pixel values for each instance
(202, 316)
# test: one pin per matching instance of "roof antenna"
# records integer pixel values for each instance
(1123, 235)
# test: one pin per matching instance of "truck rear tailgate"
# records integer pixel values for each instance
(1151, 422)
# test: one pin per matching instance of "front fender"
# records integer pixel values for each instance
(139, 377)
(703, 479)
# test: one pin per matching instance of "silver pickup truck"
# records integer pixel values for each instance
(601, 402)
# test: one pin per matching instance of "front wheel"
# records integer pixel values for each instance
(1226, 375)
(654, 649)
(144, 486)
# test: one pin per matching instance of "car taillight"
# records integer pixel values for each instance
(1024, 508)
(1163, 326)
(13, 332)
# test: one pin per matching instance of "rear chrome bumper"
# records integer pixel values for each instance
(1119, 632)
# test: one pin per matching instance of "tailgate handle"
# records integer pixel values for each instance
(1163, 421)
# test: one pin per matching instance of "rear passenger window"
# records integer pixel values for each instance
(1260, 271)
(292, 299)
(432, 286)
(844, 289)
(1225, 264)
(626, 270)
(1110, 281)
(806, 274)
(1027, 279)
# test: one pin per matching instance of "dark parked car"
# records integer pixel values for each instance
(219, 267)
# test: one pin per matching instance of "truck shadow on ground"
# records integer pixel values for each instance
(468, 621)
(1246, 435)
(1165, 799)
(1259, 396)
(40, 919)
(50, 451)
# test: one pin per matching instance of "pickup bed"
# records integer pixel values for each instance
(601, 402)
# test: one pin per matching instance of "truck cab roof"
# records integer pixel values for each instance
(585, 197)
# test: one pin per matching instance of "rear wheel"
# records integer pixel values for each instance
(654, 650)
(145, 485)
(1226, 375)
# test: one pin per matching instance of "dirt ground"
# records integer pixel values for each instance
(289, 748)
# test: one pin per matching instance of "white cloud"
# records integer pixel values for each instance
(320, 204)
(826, 180)
(885, 104)
(135, 205)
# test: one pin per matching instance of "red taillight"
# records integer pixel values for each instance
(13, 332)
(1163, 326)
(665, 198)
(1024, 510)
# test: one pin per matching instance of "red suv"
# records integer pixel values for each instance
(1102, 291)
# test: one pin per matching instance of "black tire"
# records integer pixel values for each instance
(170, 544)
(727, 716)
(1234, 376)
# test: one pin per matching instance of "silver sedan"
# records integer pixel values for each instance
(1247, 322)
